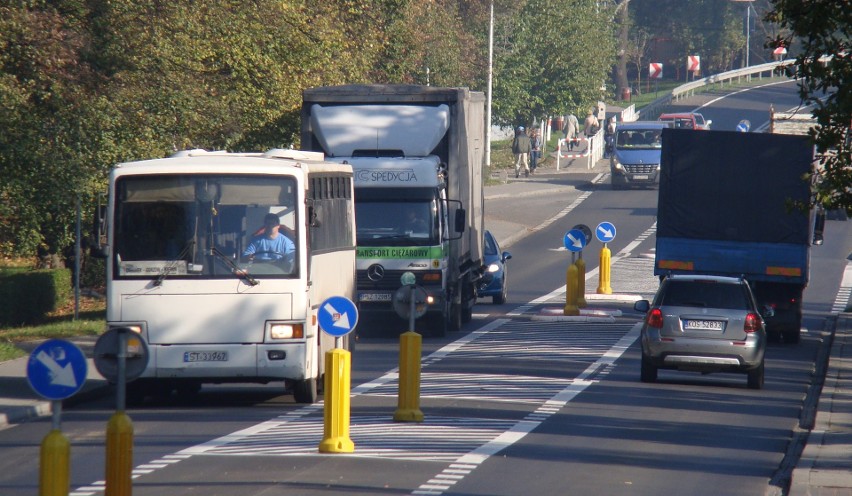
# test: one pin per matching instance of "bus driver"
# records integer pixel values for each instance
(270, 245)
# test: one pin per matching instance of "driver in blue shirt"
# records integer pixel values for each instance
(270, 245)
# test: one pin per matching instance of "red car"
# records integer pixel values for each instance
(686, 120)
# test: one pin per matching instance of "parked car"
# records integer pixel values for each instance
(706, 324)
(495, 280)
(687, 120)
(636, 153)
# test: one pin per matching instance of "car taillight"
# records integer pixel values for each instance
(654, 318)
(752, 323)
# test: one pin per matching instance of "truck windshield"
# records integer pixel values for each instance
(396, 223)
(204, 226)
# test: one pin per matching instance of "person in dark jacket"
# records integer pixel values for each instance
(521, 148)
(535, 149)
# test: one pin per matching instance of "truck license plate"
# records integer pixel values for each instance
(205, 356)
(375, 297)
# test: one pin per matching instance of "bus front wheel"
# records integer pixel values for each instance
(305, 391)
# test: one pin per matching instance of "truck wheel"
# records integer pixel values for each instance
(437, 325)
(792, 335)
(454, 322)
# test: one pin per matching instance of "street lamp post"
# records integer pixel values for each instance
(747, 29)
(490, 74)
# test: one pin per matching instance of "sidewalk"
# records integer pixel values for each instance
(825, 465)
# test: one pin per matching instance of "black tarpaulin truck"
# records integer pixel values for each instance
(733, 203)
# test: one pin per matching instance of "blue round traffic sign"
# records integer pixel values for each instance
(57, 369)
(605, 232)
(743, 126)
(575, 240)
(337, 316)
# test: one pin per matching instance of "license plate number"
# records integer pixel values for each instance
(375, 297)
(709, 325)
(205, 356)
(641, 176)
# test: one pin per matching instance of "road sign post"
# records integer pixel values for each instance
(574, 241)
(605, 232)
(56, 370)
(337, 316)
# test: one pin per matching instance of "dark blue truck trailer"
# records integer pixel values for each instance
(733, 203)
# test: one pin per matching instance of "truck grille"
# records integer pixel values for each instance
(640, 168)
(391, 280)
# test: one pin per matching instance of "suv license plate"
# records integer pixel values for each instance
(205, 356)
(703, 325)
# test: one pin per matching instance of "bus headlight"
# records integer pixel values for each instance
(286, 331)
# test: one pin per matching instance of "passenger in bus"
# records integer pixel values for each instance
(270, 245)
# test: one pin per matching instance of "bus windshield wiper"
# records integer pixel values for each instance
(158, 281)
(242, 273)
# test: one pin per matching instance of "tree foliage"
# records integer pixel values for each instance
(820, 32)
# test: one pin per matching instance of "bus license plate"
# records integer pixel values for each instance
(205, 356)
(375, 297)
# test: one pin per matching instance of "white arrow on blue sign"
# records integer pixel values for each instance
(57, 369)
(575, 240)
(337, 316)
(744, 126)
(605, 232)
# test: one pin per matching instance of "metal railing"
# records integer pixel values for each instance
(731, 77)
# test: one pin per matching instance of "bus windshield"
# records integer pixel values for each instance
(205, 226)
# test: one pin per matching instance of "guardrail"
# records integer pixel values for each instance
(686, 90)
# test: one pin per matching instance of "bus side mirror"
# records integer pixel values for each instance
(98, 246)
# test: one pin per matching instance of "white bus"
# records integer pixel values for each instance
(177, 232)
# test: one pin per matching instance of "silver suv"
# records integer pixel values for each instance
(706, 324)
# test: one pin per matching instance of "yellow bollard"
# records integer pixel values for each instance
(604, 272)
(336, 411)
(581, 282)
(408, 402)
(571, 291)
(54, 478)
(119, 455)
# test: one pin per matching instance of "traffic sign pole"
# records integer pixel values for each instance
(604, 272)
(337, 316)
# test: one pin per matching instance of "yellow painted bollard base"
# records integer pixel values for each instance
(54, 472)
(408, 401)
(581, 283)
(119, 455)
(335, 437)
(604, 272)
(571, 291)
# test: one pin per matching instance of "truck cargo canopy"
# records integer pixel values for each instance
(394, 172)
(341, 130)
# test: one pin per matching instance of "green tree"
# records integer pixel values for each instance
(554, 57)
(819, 31)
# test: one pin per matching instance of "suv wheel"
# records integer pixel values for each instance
(649, 371)
(755, 377)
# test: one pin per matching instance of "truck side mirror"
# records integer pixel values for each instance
(819, 226)
(460, 220)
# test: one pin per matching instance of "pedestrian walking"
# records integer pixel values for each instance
(535, 150)
(521, 149)
(572, 127)
(591, 124)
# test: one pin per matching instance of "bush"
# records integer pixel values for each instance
(27, 297)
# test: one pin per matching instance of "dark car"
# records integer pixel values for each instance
(494, 282)
(705, 324)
